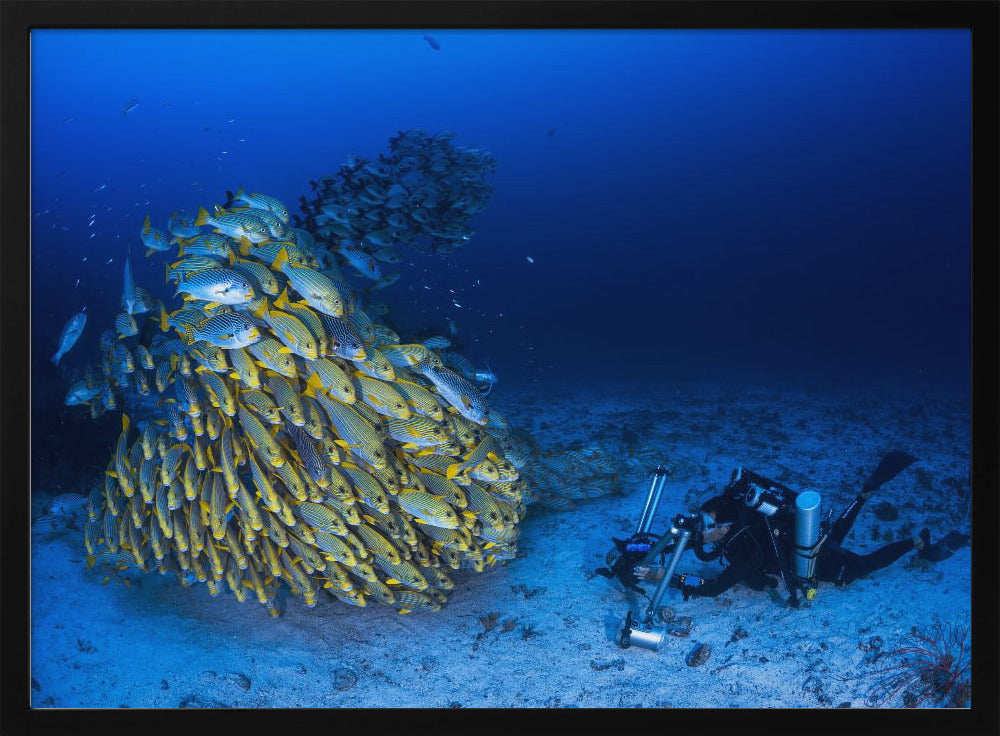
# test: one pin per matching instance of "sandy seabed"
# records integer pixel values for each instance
(545, 621)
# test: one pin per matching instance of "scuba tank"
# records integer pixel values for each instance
(785, 512)
(807, 534)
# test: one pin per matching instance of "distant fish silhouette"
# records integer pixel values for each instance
(132, 104)
(552, 132)
(433, 42)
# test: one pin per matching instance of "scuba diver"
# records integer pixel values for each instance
(763, 531)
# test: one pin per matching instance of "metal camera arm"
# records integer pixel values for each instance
(683, 535)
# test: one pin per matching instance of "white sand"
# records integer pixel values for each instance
(160, 645)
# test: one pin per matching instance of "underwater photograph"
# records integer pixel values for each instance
(439, 368)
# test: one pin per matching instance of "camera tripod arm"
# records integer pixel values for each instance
(656, 550)
(654, 602)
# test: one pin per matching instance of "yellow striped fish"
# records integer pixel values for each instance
(315, 419)
(209, 356)
(344, 343)
(272, 354)
(179, 524)
(377, 544)
(316, 289)
(456, 539)
(172, 462)
(428, 508)
(217, 387)
(381, 396)
(289, 330)
(321, 517)
(335, 547)
(411, 600)
(218, 508)
(199, 454)
(261, 440)
(376, 365)
(361, 324)
(379, 591)
(227, 462)
(215, 559)
(163, 375)
(290, 477)
(420, 399)
(311, 559)
(447, 489)
(235, 548)
(346, 507)
(262, 405)
(485, 507)
(308, 317)
(369, 490)
(275, 530)
(332, 380)
(416, 432)
(356, 433)
(263, 485)
(123, 470)
(404, 356)
(259, 274)
(287, 398)
(270, 556)
(196, 527)
(245, 370)
(162, 513)
(404, 573)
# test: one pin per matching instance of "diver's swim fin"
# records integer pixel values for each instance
(892, 464)
(943, 548)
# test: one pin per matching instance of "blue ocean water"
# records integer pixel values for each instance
(788, 206)
(696, 203)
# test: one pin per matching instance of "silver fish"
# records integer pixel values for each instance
(128, 291)
(70, 334)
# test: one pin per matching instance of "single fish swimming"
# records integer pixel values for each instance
(70, 334)
(128, 290)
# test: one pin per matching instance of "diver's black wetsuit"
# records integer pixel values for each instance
(753, 560)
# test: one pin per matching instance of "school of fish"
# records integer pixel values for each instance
(422, 194)
(296, 441)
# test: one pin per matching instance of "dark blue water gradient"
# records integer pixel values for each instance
(790, 204)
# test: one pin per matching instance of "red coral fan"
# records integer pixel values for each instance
(934, 667)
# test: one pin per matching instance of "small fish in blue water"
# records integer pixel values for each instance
(100, 187)
(70, 334)
(128, 286)
(132, 105)
(433, 42)
(530, 259)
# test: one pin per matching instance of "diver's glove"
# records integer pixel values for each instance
(686, 583)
